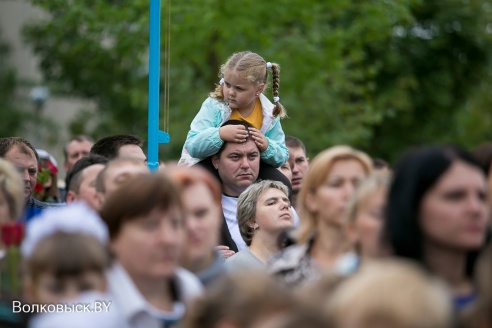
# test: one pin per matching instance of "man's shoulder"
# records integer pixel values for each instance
(34, 203)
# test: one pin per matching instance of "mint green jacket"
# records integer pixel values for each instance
(203, 139)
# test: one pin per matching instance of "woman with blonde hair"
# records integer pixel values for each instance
(333, 176)
(11, 192)
(365, 216)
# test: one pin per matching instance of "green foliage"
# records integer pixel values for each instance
(10, 116)
(381, 75)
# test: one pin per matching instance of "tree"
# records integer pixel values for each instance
(379, 75)
(10, 116)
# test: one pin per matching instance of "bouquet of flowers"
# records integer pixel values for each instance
(12, 234)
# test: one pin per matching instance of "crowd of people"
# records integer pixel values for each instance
(245, 230)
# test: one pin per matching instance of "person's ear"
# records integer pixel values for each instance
(71, 196)
(100, 197)
(260, 88)
(215, 161)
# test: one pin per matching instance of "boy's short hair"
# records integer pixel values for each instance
(293, 142)
(109, 147)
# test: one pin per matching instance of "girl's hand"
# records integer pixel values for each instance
(224, 251)
(260, 140)
(233, 133)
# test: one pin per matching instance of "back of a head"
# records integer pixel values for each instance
(240, 300)
(81, 165)
(390, 294)
(111, 164)
(110, 146)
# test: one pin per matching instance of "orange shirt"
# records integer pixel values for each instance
(255, 118)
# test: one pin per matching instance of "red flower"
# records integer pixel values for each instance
(39, 187)
(53, 169)
(12, 233)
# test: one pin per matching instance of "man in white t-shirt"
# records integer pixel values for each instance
(238, 165)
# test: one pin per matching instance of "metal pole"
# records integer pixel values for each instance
(154, 75)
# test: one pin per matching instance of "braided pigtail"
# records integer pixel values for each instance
(279, 110)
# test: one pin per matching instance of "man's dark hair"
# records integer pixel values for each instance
(110, 146)
(235, 122)
(6, 144)
(78, 138)
(73, 178)
(293, 142)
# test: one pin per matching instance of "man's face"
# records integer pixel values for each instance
(132, 151)
(238, 166)
(299, 165)
(87, 189)
(75, 151)
(27, 165)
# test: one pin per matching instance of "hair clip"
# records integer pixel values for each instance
(269, 65)
(276, 99)
(221, 81)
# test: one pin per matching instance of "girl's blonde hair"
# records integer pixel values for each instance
(253, 68)
(319, 169)
(11, 185)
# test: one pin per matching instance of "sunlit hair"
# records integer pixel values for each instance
(247, 202)
(318, 172)
(379, 180)
(252, 67)
(185, 177)
(12, 187)
(391, 293)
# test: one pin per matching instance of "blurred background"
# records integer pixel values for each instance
(380, 75)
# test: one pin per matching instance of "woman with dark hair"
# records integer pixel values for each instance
(437, 214)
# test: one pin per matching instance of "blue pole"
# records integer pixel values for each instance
(154, 74)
